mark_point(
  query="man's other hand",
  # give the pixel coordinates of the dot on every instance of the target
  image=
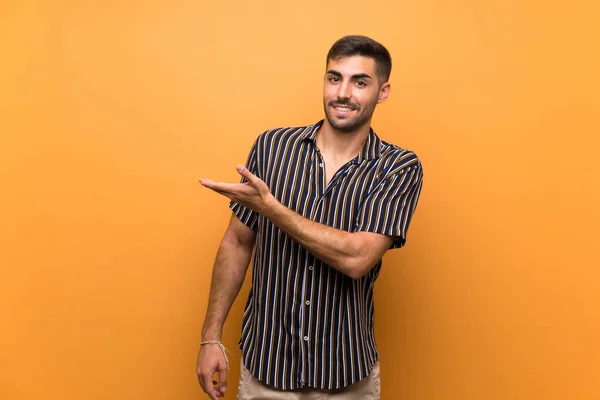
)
(210, 361)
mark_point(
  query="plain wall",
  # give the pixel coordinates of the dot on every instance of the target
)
(112, 110)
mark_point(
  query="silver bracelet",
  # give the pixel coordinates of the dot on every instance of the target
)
(222, 347)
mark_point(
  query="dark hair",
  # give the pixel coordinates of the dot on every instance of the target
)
(357, 45)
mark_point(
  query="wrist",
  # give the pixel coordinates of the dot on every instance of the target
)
(206, 339)
(270, 203)
(211, 335)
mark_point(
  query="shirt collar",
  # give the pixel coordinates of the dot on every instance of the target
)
(370, 151)
(311, 132)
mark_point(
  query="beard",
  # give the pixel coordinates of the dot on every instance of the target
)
(349, 124)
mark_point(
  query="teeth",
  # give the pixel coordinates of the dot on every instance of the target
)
(343, 108)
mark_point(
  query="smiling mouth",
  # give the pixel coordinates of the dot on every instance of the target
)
(343, 108)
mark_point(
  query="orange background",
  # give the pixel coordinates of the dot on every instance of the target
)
(112, 110)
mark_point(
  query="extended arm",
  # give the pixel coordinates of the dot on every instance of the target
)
(353, 254)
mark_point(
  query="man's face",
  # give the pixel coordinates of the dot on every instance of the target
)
(351, 91)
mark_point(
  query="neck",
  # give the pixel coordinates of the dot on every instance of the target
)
(344, 145)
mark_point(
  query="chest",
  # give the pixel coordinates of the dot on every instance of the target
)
(331, 165)
(321, 188)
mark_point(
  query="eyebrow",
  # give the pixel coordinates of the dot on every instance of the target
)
(356, 76)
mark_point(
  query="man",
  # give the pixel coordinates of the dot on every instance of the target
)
(318, 206)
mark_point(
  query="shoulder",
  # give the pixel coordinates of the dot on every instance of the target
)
(399, 160)
(291, 132)
(274, 140)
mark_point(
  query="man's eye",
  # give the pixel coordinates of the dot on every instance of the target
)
(361, 83)
(334, 79)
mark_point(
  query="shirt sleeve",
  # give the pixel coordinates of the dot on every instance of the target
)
(388, 209)
(244, 214)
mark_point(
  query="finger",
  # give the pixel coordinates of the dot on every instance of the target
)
(230, 196)
(217, 189)
(208, 387)
(220, 191)
(216, 185)
(201, 380)
(218, 391)
(209, 184)
(245, 172)
(223, 375)
(220, 186)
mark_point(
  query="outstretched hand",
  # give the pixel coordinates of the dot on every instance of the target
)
(254, 194)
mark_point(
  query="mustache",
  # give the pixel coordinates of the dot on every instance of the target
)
(353, 106)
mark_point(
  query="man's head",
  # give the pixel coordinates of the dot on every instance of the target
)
(358, 69)
(357, 45)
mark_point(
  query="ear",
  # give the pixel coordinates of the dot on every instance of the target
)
(384, 92)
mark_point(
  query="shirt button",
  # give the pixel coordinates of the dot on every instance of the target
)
(307, 302)
(321, 164)
(306, 338)
(310, 267)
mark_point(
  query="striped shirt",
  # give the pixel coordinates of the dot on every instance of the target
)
(306, 324)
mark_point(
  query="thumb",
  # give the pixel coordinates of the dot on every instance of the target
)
(245, 172)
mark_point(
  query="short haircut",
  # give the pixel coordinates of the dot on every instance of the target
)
(356, 45)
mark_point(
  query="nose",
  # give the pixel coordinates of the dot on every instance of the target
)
(344, 92)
